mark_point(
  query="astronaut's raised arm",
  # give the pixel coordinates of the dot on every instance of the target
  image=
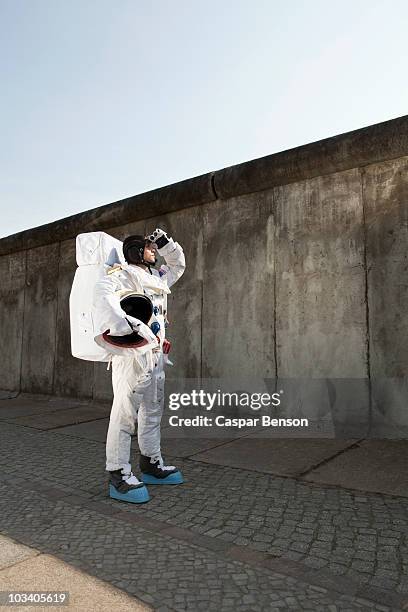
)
(175, 262)
(173, 254)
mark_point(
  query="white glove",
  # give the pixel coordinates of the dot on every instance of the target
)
(142, 329)
(159, 237)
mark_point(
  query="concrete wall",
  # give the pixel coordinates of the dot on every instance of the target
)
(296, 267)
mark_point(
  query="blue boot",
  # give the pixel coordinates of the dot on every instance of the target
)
(155, 472)
(126, 487)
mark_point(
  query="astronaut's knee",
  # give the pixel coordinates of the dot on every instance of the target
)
(126, 421)
(128, 427)
(154, 412)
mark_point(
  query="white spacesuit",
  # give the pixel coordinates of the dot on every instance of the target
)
(138, 380)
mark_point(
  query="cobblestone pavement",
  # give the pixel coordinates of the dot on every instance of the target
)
(225, 539)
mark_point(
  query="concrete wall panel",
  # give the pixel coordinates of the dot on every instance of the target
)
(40, 314)
(238, 292)
(386, 210)
(12, 275)
(320, 278)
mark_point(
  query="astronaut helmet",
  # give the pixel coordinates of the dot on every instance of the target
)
(140, 307)
(134, 250)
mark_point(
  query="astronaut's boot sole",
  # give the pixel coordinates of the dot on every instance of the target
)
(134, 496)
(172, 479)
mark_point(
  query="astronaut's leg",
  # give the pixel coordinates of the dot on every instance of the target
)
(128, 393)
(154, 471)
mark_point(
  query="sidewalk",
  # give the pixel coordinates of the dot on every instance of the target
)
(258, 525)
(26, 569)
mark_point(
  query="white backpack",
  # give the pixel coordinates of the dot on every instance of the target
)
(95, 252)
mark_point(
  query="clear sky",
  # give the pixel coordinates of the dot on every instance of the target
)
(103, 99)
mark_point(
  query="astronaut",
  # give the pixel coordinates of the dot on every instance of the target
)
(138, 380)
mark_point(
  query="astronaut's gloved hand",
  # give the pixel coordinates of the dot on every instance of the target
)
(159, 237)
(141, 328)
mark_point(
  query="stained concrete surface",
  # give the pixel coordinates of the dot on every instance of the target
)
(94, 430)
(26, 405)
(61, 418)
(320, 279)
(238, 288)
(379, 466)
(8, 394)
(13, 276)
(287, 457)
(40, 312)
(188, 447)
(385, 189)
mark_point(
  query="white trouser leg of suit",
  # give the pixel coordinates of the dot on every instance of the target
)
(138, 395)
(151, 412)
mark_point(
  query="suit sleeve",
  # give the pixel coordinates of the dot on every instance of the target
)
(175, 262)
(106, 307)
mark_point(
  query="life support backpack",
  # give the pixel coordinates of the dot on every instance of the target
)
(95, 252)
